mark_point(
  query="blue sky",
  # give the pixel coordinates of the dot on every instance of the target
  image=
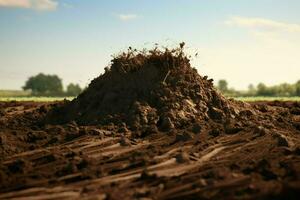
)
(243, 41)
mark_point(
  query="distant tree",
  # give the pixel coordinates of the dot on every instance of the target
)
(297, 88)
(73, 89)
(251, 87)
(251, 90)
(284, 89)
(41, 84)
(223, 86)
(263, 90)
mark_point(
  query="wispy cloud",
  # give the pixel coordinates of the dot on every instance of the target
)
(265, 47)
(262, 24)
(127, 17)
(41, 5)
(67, 5)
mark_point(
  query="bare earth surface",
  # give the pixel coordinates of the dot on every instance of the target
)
(150, 127)
(86, 162)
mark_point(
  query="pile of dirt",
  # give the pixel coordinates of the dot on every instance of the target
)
(147, 91)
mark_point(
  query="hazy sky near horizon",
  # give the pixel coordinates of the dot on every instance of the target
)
(242, 41)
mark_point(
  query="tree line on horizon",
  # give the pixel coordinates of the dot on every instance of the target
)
(280, 90)
(50, 85)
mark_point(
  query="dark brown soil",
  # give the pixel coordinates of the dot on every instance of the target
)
(150, 127)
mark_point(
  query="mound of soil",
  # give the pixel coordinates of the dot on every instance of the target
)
(155, 89)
